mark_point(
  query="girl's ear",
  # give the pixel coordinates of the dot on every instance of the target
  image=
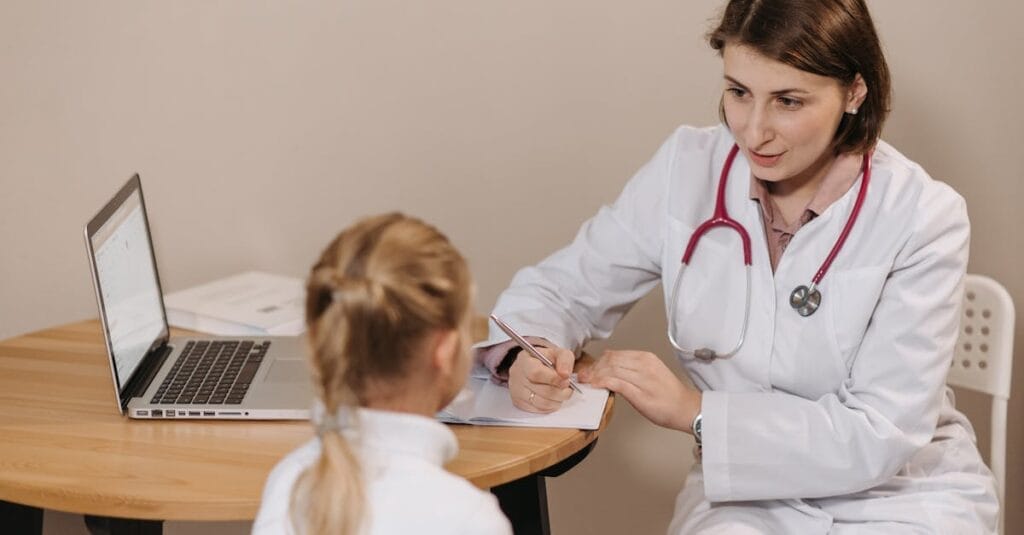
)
(444, 351)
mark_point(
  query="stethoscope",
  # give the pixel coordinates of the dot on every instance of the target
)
(805, 300)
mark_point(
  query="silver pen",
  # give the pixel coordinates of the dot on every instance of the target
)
(528, 347)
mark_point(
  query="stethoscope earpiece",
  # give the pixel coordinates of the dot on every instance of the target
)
(805, 300)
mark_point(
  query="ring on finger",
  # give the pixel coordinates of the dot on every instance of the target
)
(532, 395)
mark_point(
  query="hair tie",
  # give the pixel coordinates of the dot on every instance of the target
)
(348, 285)
(327, 425)
(325, 422)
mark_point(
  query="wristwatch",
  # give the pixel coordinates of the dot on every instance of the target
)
(697, 421)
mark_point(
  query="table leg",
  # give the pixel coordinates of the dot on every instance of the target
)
(19, 518)
(102, 525)
(525, 501)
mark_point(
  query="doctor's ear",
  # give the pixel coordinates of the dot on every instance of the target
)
(856, 94)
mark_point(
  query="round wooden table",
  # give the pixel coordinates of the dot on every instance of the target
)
(64, 445)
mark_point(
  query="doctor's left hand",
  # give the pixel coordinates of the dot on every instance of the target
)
(649, 385)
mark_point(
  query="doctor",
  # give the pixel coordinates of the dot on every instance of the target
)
(819, 401)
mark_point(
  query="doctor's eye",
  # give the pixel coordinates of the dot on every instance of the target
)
(790, 103)
(736, 92)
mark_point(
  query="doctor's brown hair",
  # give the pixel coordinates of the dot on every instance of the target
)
(376, 293)
(834, 38)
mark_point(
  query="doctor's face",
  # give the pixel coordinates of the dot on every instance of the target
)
(782, 118)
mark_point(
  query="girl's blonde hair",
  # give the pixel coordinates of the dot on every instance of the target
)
(377, 291)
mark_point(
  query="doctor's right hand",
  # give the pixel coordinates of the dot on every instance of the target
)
(536, 388)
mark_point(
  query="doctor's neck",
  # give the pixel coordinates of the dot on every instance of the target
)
(803, 185)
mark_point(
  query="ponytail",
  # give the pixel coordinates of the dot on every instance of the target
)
(329, 496)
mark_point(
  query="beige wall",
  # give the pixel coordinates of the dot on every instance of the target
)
(505, 123)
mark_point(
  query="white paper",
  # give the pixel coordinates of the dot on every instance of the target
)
(250, 303)
(482, 402)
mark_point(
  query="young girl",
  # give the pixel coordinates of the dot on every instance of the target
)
(387, 311)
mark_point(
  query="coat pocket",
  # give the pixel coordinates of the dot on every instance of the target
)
(855, 293)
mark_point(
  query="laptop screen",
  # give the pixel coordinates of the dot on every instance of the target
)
(126, 280)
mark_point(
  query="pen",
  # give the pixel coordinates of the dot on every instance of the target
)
(528, 347)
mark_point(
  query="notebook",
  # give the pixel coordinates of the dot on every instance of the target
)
(481, 402)
(156, 376)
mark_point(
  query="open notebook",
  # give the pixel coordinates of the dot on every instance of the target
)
(482, 402)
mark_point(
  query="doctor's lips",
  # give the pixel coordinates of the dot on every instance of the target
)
(765, 160)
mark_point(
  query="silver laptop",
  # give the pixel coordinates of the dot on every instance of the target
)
(156, 376)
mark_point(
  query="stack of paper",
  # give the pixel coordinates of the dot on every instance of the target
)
(482, 402)
(248, 304)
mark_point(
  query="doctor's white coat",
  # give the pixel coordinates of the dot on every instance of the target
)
(822, 424)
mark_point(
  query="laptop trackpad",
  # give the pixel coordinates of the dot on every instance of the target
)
(287, 371)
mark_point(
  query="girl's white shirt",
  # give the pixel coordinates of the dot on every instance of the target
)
(407, 488)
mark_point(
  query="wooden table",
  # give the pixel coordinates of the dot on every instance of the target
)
(64, 446)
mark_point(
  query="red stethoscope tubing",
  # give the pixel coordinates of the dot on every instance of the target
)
(865, 169)
(804, 300)
(721, 218)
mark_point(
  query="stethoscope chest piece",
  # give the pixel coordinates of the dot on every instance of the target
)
(805, 300)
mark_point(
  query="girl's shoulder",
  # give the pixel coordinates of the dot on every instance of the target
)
(409, 495)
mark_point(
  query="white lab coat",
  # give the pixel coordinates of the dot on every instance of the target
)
(834, 422)
(407, 488)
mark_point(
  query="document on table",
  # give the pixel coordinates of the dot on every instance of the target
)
(247, 304)
(482, 402)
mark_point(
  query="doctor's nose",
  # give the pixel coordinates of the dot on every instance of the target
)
(759, 128)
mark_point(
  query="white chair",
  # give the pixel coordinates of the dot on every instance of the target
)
(983, 360)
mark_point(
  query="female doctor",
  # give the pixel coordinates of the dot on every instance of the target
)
(819, 348)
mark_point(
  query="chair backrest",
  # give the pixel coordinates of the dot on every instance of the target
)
(983, 360)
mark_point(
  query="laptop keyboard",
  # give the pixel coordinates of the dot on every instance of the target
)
(212, 373)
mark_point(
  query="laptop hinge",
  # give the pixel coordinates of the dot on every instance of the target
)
(141, 379)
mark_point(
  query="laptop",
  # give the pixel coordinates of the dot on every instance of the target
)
(199, 377)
